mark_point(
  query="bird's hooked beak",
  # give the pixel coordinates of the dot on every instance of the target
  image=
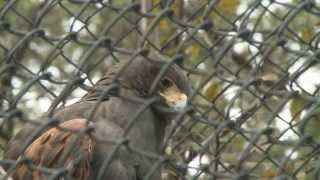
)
(174, 98)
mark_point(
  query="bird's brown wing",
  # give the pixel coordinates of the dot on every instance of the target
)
(58, 148)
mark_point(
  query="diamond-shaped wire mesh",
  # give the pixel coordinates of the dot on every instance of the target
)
(253, 66)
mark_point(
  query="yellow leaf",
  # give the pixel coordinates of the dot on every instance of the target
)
(269, 173)
(273, 172)
(296, 106)
(164, 24)
(228, 7)
(170, 174)
(193, 51)
(307, 34)
(212, 89)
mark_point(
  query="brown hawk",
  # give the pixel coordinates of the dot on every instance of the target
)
(108, 136)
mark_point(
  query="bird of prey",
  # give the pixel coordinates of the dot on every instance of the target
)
(114, 136)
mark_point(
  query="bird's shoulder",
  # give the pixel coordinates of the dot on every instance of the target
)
(67, 145)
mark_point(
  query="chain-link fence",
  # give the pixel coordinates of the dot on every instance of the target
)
(253, 66)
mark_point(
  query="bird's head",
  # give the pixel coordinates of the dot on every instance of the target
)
(160, 78)
(146, 77)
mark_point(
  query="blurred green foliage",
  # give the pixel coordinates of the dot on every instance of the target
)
(256, 72)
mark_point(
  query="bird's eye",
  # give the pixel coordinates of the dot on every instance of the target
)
(165, 83)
